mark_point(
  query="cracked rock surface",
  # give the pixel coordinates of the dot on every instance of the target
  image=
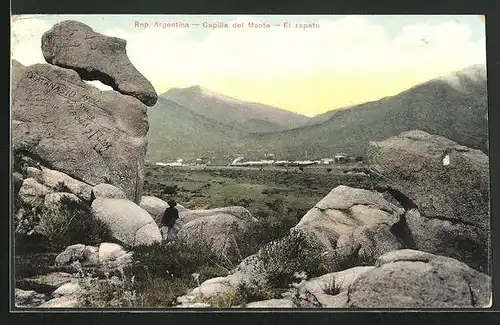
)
(72, 127)
(415, 279)
(447, 184)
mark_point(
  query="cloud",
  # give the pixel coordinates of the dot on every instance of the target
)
(294, 63)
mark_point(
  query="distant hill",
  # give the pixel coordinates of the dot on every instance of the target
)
(247, 116)
(454, 106)
(176, 131)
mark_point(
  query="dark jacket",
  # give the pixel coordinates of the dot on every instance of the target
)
(169, 216)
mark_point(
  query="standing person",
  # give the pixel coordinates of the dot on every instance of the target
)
(169, 217)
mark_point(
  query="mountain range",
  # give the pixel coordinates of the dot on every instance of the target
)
(194, 122)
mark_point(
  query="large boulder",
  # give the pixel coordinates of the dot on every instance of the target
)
(153, 205)
(74, 45)
(127, 221)
(220, 229)
(353, 223)
(447, 184)
(70, 126)
(107, 191)
(78, 252)
(415, 279)
(156, 207)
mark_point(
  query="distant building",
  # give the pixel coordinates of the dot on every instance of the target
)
(327, 161)
(341, 158)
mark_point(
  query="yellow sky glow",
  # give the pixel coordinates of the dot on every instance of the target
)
(345, 62)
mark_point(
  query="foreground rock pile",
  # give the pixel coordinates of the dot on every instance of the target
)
(420, 241)
(72, 271)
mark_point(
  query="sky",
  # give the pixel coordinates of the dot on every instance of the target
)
(345, 60)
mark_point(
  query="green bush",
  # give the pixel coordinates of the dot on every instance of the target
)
(162, 292)
(297, 252)
(170, 190)
(272, 226)
(175, 259)
(70, 223)
(163, 271)
(257, 292)
(227, 299)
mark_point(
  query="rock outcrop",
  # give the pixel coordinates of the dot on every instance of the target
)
(72, 127)
(330, 290)
(78, 252)
(108, 256)
(444, 187)
(56, 180)
(28, 298)
(353, 223)
(414, 279)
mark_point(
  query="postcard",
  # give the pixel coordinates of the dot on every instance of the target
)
(249, 162)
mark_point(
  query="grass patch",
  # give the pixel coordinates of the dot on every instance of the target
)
(162, 292)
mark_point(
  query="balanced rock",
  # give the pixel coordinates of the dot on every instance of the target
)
(415, 279)
(74, 45)
(90, 135)
(449, 186)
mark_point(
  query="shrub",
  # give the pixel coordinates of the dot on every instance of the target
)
(116, 292)
(170, 190)
(162, 292)
(227, 299)
(332, 287)
(60, 227)
(272, 226)
(255, 291)
(61, 187)
(209, 272)
(174, 258)
(294, 253)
